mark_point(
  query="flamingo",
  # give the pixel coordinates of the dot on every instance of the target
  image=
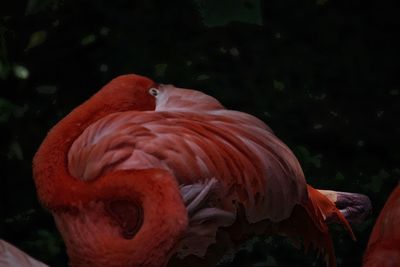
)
(10, 256)
(145, 174)
(383, 248)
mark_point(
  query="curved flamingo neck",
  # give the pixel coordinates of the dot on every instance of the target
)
(164, 222)
(55, 186)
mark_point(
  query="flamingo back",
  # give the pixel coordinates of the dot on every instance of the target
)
(195, 138)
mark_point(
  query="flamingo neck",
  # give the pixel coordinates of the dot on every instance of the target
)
(55, 186)
(99, 242)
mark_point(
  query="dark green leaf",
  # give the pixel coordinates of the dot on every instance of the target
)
(278, 85)
(339, 176)
(21, 72)
(36, 39)
(46, 89)
(222, 12)
(15, 151)
(88, 39)
(203, 77)
(36, 6)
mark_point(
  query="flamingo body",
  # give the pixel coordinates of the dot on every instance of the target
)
(384, 243)
(142, 171)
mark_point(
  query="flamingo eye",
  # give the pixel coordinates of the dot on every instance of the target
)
(154, 91)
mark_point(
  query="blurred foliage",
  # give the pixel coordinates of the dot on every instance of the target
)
(222, 12)
(323, 74)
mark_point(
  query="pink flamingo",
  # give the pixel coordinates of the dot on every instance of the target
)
(384, 243)
(142, 172)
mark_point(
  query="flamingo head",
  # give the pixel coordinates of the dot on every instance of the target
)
(126, 92)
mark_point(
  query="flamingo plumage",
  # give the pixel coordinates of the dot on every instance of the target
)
(142, 172)
(11, 256)
(383, 248)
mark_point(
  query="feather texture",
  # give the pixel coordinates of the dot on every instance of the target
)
(195, 138)
(12, 256)
(384, 243)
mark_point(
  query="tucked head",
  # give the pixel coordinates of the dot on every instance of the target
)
(127, 92)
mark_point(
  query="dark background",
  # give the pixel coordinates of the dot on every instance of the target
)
(322, 74)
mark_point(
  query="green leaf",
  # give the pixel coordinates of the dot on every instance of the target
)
(278, 85)
(317, 126)
(7, 109)
(250, 244)
(36, 6)
(223, 12)
(339, 176)
(45, 241)
(306, 158)
(46, 89)
(22, 217)
(234, 51)
(15, 151)
(203, 77)
(21, 72)
(376, 181)
(270, 261)
(36, 39)
(104, 31)
(88, 39)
